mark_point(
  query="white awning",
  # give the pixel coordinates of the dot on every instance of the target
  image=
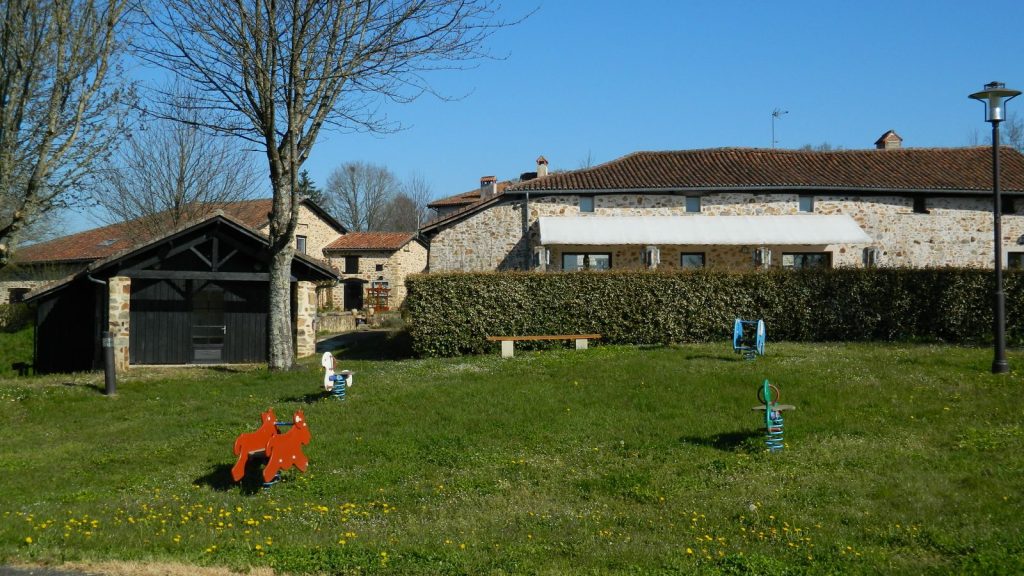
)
(802, 229)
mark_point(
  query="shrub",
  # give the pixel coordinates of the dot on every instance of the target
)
(452, 313)
(14, 317)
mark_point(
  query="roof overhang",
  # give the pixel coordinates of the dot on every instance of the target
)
(793, 230)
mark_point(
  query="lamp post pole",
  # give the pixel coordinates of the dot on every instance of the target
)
(994, 96)
(999, 364)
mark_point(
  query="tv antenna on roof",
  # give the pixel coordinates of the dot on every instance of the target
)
(777, 113)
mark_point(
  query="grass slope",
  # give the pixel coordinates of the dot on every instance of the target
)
(899, 459)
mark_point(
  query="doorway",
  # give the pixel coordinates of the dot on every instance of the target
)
(353, 294)
(208, 327)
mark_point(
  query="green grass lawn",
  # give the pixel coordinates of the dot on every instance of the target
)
(899, 459)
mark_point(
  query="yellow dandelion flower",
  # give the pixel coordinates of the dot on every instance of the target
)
(28, 539)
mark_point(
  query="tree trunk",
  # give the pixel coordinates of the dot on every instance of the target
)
(282, 352)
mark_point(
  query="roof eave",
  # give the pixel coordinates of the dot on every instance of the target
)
(764, 188)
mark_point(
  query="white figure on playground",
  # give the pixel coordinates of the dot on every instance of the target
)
(330, 378)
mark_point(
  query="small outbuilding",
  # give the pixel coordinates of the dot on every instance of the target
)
(198, 295)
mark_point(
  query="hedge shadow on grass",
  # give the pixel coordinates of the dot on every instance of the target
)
(738, 441)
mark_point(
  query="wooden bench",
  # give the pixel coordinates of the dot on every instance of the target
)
(508, 342)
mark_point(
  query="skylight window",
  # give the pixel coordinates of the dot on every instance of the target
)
(108, 242)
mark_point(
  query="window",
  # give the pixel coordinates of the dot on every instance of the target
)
(871, 255)
(587, 261)
(300, 244)
(351, 264)
(379, 268)
(806, 259)
(15, 295)
(586, 203)
(691, 260)
(807, 203)
(920, 205)
(693, 203)
(1014, 261)
(1008, 205)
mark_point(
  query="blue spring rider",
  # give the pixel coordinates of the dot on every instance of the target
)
(748, 337)
(768, 395)
(335, 384)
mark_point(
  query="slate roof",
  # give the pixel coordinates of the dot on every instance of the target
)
(385, 241)
(904, 169)
(109, 240)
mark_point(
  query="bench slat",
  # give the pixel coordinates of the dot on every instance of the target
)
(553, 337)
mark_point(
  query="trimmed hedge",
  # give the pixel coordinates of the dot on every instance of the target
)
(452, 313)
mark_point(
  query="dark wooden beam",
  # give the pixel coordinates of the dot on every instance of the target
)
(197, 275)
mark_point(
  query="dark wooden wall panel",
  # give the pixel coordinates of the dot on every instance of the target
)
(160, 322)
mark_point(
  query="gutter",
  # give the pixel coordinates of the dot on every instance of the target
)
(770, 188)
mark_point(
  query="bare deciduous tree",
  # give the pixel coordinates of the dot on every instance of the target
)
(408, 209)
(171, 174)
(275, 72)
(359, 194)
(60, 104)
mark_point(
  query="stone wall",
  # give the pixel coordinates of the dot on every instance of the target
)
(394, 268)
(335, 322)
(305, 319)
(119, 305)
(488, 240)
(955, 232)
(32, 276)
(317, 232)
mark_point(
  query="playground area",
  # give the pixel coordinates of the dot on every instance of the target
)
(897, 459)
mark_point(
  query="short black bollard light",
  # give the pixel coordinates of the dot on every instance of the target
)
(109, 375)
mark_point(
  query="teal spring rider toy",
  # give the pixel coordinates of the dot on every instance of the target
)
(768, 395)
(748, 337)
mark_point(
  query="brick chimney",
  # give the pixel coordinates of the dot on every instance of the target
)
(488, 187)
(542, 167)
(889, 141)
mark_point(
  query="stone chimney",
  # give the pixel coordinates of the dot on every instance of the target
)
(488, 187)
(889, 141)
(542, 167)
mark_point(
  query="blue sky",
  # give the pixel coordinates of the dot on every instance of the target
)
(600, 79)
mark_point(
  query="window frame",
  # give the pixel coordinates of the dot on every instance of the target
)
(805, 203)
(591, 202)
(608, 255)
(300, 243)
(827, 256)
(703, 260)
(690, 201)
(1016, 262)
(352, 264)
(17, 295)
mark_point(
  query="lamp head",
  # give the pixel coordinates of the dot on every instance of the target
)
(995, 96)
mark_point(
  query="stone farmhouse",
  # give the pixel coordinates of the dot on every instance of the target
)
(737, 209)
(373, 267)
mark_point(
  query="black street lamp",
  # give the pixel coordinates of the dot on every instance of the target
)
(995, 96)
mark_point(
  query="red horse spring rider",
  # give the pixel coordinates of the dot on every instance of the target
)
(282, 450)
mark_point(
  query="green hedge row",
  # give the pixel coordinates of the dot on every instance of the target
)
(451, 314)
(14, 317)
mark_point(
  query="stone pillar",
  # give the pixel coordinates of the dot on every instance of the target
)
(119, 309)
(305, 319)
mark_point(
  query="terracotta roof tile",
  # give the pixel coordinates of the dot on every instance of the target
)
(109, 240)
(911, 169)
(466, 198)
(371, 241)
